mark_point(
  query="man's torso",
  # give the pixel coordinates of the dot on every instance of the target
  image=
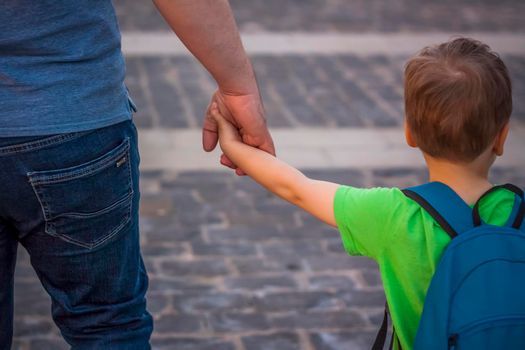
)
(61, 67)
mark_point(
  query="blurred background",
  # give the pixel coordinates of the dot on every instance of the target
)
(231, 266)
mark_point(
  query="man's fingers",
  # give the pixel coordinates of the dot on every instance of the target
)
(268, 145)
(263, 141)
(215, 113)
(227, 162)
(209, 140)
(210, 129)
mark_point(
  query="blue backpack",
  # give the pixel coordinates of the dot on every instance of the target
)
(476, 299)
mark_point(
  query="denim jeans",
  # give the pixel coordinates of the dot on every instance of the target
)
(71, 200)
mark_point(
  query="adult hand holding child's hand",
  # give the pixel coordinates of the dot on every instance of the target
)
(246, 113)
(227, 131)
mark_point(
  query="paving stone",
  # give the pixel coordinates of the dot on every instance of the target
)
(399, 177)
(157, 250)
(283, 212)
(24, 270)
(341, 15)
(180, 323)
(260, 283)
(362, 298)
(224, 248)
(317, 226)
(199, 177)
(228, 261)
(30, 326)
(169, 343)
(48, 344)
(276, 264)
(242, 223)
(237, 322)
(157, 303)
(343, 340)
(335, 246)
(515, 175)
(297, 247)
(244, 233)
(208, 268)
(243, 281)
(343, 320)
(349, 91)
(173, 231)
(163, 285)
(351, 177)
(273, 341)
(193, 302)
(371, 277)
(297, 300)
(331, 282)
(155, 205)
(19, 345)
(31, 298)
(376, 317)
(338, 262)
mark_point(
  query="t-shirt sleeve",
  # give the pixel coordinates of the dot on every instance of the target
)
(366, 218)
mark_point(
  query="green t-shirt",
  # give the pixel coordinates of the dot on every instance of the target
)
(406, 242)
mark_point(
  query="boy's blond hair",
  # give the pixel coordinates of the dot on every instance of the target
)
(458, 96)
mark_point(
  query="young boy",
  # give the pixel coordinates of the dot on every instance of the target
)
(458, 104)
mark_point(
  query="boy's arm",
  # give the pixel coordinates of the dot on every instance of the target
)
(316, 197)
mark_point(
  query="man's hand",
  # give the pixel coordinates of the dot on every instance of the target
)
(247, 114)
(209, 31)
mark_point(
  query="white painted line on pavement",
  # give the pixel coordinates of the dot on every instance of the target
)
(162, 43)
(306, 148)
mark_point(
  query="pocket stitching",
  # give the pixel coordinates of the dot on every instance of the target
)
(39, 144)
(43, 206)
(93, 244)
(39, 177)
(47, 218)
(115, 205)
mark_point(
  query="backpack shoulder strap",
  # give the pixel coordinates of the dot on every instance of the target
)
(444, 205)
(516, 218)
(380, 341)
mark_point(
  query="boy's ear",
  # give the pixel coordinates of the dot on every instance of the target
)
(408, 137)
(499, 142)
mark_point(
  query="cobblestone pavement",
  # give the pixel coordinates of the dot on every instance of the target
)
(233, 267)
(313, 91)
(355, 15)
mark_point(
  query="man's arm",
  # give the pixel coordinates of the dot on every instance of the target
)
(208, 29)
(315, 197)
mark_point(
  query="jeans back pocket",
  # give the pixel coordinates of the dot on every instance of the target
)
(89, 203)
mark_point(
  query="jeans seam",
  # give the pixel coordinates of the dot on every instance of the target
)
(101, 165)
(97, 242)
(97, 213)
(42, 143)
(42, 205)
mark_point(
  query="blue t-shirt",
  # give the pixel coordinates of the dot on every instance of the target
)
(61, 67)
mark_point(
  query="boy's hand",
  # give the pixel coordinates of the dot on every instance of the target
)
(246, 113)
(228, 134)
(227, 131)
